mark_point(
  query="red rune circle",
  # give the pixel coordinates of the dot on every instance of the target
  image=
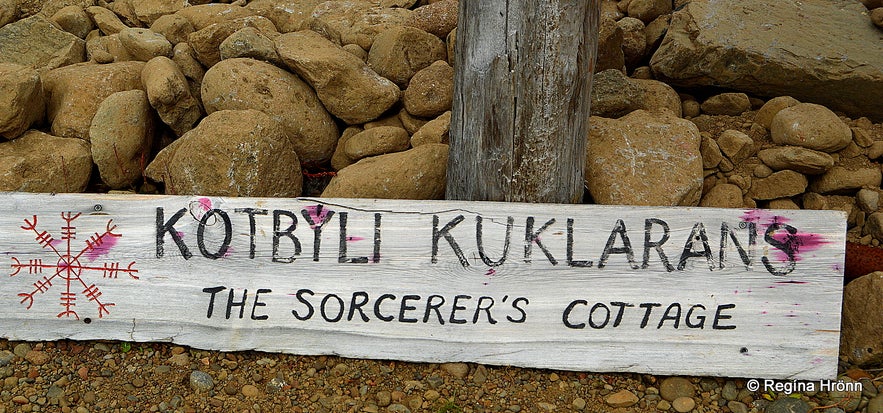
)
(68, 267)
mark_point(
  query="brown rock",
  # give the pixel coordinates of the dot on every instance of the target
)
(431, 91)
(655, 31)
(805, 161)
(184, 56)
(711, 153)
(37, 162)
(21, 99)
(434, 131)
(74, 20)
(339, 160)
(683, 404)
(648, 10)
(206, 42)
(355, 21)
(107, 21)
(239, 84)
(657, 96)
(205, 15)
(125, 10)
(673, 387)
(144, 44)
(231, 153)
(169, 94)
(768, 111)
(347, 87)
(610, 11)
(250, 42)
(36, 43)
(438, 18)
(417, 173)
(723, 196)
(174, 27)
(841, 180)
(458, 370)
(735, 145)
(777, 48)
(9, 11)
(615, 95)
(37, 358)
(610, 54)
(287, 15)
(877, 17)
(376, 141)
(810, 126)
(76, 91)
(148, 11)
(413, 123)
(634, 40)
(861, 335)
(733, 104)
(622, 398)
(400, 52)
(122, 136)
(108, 49)
(780, 184)
(644, 159)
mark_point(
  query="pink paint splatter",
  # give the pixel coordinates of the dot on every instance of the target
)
(318, 215)
(180, 234)
(228, 252)
(102, 249)
(491, 271)
(205, 203)
(803, 242)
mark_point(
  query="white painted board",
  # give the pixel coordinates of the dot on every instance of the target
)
(573, 287)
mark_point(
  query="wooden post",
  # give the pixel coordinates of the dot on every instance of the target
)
(521, 100)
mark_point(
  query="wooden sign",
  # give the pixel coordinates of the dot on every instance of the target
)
(747, 293)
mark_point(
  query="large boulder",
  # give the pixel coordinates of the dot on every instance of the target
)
(862, 337)
(287, 15)
(76, 91)
(810, 126)
(347, 87)
(400, 52)
(38, 162)
(773, 48)
(644, 159)
(231, 153)
(169, 94)
(35, 42)
(21, 99)
(355, 21)
(418, 173)
(206, 42)
(121, 135)
(236, 84)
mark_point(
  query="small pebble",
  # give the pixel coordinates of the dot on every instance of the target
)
(201, 381)
(250, 391)
(683, 404)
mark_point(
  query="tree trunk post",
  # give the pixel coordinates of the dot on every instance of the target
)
(521, 100)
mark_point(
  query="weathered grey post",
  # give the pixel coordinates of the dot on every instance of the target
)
(521, 99)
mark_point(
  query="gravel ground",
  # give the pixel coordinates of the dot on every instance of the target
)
(134, 377)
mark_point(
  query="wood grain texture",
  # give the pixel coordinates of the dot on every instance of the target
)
(575, 287)
(521, 100)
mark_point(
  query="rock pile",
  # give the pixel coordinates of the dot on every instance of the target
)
(239, 98)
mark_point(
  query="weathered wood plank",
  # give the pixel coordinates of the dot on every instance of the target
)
(574, 287)
(521, 100)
